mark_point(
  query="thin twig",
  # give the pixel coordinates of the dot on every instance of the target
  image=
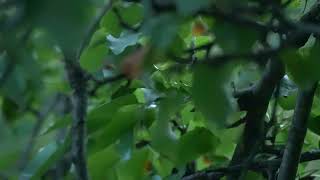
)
(199, 48)
(99, 83)
(273, 119)
(251, 56)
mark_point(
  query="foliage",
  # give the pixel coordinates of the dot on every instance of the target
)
(171, 87)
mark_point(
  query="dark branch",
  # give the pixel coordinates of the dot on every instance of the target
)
(255, 166)
(297, 134)
(199, 48)
(256, 99)
(256, 104)
(99, 83)
(78, 82)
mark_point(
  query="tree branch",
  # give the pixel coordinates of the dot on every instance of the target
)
(256, 104)
(78, 82)
(297, 134)
(255, 100)
(99, 83)
(255, 166)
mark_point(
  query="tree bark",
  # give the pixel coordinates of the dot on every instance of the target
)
(256, 104)
(78, 82)
(297, 133)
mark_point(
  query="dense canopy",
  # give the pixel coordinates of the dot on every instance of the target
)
(159, 89)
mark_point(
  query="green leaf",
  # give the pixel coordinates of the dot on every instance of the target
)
(288, 102)
(163, 166)
(68, 26)
(162, 30)
(100, 162)
(15, 86)
(102, 114)
(145, 95)
(92, 58)
(99, 37)
(312, 167)
(131, 13)
(314, 124)
(118, 45)
(134, 168)
(303, 70)
(233, 38)
(111, 24)
(210, 94)
(10, 145)
(195, 143)
(163, 139)
(44, 159)
(200, 41)
(122, 122)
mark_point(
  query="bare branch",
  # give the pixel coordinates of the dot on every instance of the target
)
(255, 166)
(297, 134)
(256, 105)
(78, 83)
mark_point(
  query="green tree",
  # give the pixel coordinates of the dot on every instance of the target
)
(159, 89)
